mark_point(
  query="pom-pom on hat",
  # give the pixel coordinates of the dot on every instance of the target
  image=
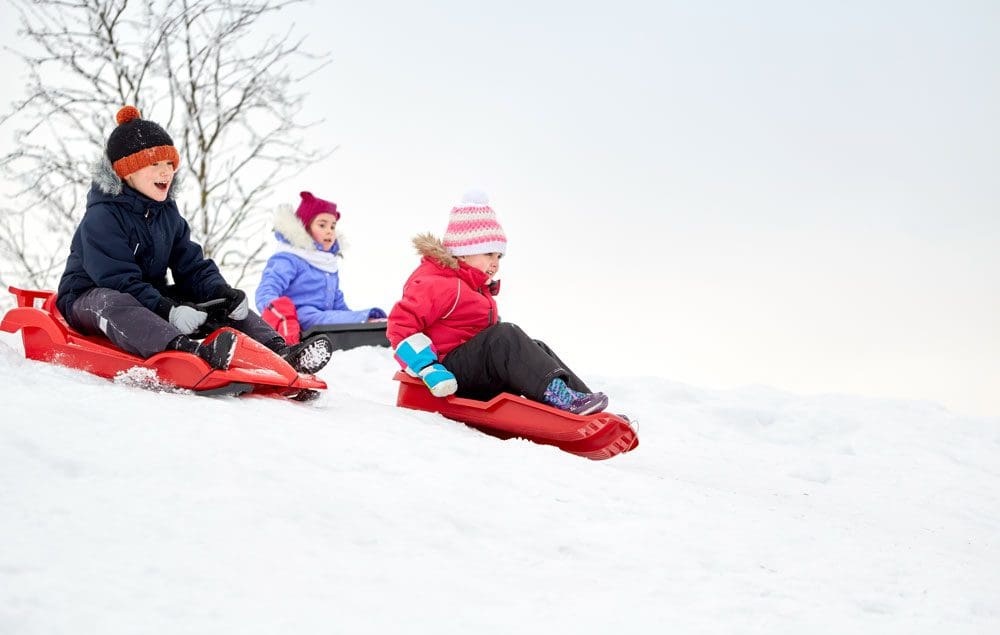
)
(311, 207)
(136, 143)
(473, 227)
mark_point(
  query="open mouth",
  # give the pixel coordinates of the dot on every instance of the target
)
(162, 186)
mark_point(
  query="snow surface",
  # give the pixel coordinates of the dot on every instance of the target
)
(126, 510)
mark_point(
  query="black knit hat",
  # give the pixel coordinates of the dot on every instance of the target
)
(136, 143)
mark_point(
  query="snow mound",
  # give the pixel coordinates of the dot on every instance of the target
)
(751, 511)
(146, 379)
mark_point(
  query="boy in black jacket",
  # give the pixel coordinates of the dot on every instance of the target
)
(115, 282)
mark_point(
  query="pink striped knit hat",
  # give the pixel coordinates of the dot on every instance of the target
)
(473, 228)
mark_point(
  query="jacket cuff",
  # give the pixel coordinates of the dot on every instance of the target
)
(163, 307)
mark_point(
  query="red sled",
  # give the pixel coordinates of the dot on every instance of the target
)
(596, 436)
(255, 368)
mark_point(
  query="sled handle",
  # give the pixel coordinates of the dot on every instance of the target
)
(27, 297)
(209, 304)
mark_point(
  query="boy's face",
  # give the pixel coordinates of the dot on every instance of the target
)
(153, 180)
(487, 263)
(323, 230)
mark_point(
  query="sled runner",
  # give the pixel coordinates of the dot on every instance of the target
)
(348, 336)
(282, 316)
(597, 436)
(255, 369)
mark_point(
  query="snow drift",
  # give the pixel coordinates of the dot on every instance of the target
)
(125, 509)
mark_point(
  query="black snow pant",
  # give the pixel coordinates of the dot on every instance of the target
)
(135, 329)
(502, 358)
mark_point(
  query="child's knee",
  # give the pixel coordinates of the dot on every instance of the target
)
(120, 298)
(506, 329)
(103, 297)
(508, 338)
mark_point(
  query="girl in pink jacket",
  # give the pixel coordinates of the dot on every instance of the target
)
(446, 329)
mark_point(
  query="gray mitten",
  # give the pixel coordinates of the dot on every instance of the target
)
(187, 319)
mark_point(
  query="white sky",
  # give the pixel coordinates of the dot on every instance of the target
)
(792, 194)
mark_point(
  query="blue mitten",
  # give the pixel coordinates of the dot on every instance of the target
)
(416, 354)
(439, 380)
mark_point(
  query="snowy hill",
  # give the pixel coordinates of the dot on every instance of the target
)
(124, 510)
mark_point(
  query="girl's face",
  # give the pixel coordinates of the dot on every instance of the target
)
(323, 230)
(153, 180)
(487, 263)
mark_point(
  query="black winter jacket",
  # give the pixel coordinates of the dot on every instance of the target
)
(126, 242)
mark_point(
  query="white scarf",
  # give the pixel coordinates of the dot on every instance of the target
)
(322, 260)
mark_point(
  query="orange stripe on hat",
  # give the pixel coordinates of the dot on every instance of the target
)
(137, 161)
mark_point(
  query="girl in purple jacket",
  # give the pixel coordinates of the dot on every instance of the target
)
(304, 267)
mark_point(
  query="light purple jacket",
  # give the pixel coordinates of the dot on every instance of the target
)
(305, 273)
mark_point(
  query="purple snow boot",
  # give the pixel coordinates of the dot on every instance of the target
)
(558, 394)
(588, 404)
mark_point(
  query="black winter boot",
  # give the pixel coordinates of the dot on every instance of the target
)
(310, 356)
(218, 353)
(277, 344)
(184, 344)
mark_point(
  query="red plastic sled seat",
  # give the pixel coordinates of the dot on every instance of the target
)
(597, 436)
(254, 369)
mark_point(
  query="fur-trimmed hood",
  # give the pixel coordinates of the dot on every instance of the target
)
(108, 181)
(445, 299)
(288, 229)
(431, 246)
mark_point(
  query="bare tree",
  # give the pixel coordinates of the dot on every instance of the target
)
(229, 96)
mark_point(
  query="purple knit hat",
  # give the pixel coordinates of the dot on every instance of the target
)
(473, 227)
(311, 207)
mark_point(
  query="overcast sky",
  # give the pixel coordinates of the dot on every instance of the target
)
(802, 195)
